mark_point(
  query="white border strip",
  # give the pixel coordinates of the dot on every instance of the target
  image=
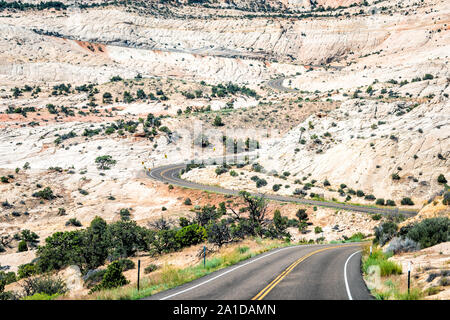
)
(345, 275)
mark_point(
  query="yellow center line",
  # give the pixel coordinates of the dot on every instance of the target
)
(278, 279)
(164, 171)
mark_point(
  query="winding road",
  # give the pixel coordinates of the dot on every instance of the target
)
(302, 272)
(171, 174)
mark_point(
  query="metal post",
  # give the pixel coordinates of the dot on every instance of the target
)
(409, 276)
(139, 271)
(204, 256)
(370, 251)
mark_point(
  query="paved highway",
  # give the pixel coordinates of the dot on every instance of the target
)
(170, 174)
(305, 272)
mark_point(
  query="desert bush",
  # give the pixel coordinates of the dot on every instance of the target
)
(430, 232)
(46, 194)
(27, 270)
(397, 245)
(190, 235)
(164, 241)
(280, 223)
(187, 202)
(93, 278)
(124, 214)
(206, 214)
(218, 233)
(377, 216)
(301, 215)
(126, 264)
(276, 187)
(441, 179)
(380, 202)
(390, 203)
(61, 249)
(150, 268)
(407, 201)
(112, 278)
(218, 121)
(44, 285)
(385, 232)
(446, 198)
(126, 238)
(105, 162)
(73, 222)
(6, 278)
(22, 246)
(261, 182)
(220, 170)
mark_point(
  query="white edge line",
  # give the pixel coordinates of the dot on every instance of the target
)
(345, 275)
(228, 271)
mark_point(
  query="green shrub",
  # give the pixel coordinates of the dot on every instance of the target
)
(105, 162)
(357, 237)
(369, 197)
(187, 202)
(26, 270)
(301, 215)
(73, 222)
(150, 268)
(385, 232)
(390, 203)
(430, 232)
(376, 216)
(126, 264)
(112, 278)
(190, 235)
(7, 277)
(22, 246)
(260, 183)
(44, 285)
(407, 201)
(94, 278)
(441, 179)
(218, 233)
(46, 194)
(446, 198)
(124, 214)
(380, 202)
(61, 249)
(218, 121)
(164, 242)
(318, 229)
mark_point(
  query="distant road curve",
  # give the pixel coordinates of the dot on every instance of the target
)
(170, 174)
(277, 83)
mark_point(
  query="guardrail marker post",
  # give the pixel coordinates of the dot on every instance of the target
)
(204, 256)
(139, 271)
(370, 251)
(409, 276)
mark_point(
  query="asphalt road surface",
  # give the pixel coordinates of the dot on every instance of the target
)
(170, 174)
(305, 272)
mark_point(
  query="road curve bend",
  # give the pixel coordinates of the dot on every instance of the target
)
(171, 174)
